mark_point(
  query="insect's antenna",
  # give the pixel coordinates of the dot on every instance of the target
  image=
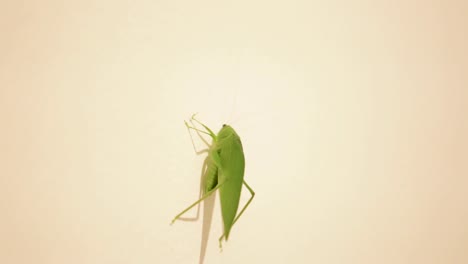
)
(236, 87)
(233, 106)
(233, 122)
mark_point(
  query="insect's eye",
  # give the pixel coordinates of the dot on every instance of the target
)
(224, 125)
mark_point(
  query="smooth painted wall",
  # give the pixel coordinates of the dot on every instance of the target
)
(353, 116)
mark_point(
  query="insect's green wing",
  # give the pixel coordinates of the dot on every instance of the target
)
(231, 173)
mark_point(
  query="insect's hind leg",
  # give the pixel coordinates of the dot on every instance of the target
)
(197, 202)
(241, 212)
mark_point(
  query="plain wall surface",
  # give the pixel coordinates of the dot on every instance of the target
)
(353, 116)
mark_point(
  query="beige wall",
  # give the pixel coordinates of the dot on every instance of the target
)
(353, 116)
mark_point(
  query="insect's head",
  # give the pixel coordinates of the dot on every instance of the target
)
(225, 131)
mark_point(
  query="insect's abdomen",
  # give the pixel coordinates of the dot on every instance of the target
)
(211, 177)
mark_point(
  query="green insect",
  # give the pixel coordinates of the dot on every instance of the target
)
(225, 171)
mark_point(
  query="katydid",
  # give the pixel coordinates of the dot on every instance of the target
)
(225, 173)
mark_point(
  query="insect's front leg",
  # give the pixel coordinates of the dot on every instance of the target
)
(213, 135)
